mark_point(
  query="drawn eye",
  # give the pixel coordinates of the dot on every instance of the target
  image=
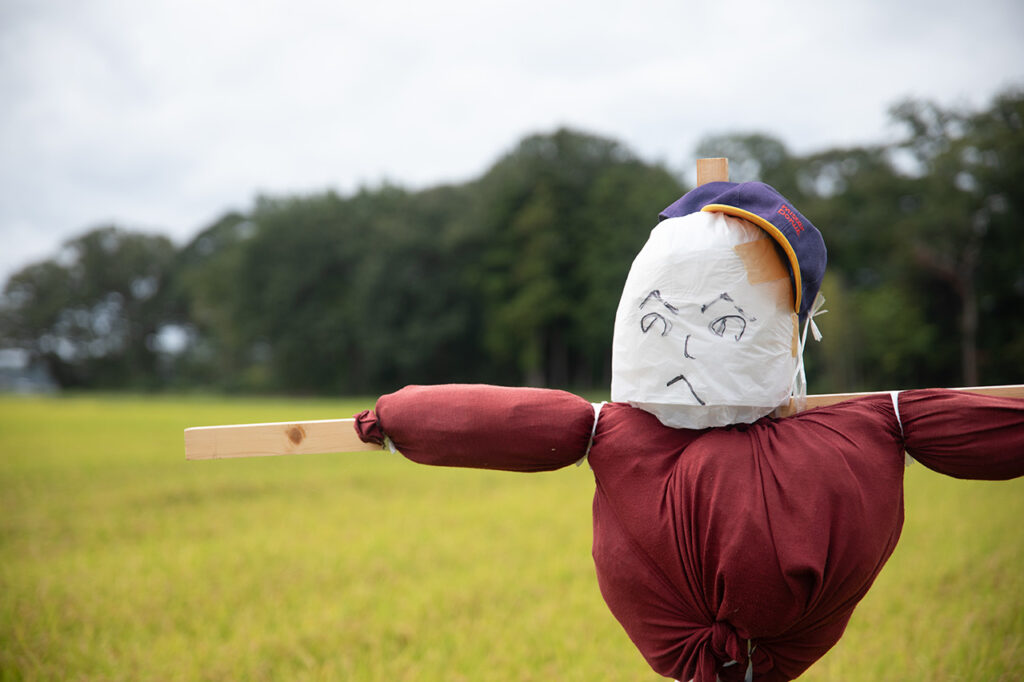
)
(733, 324)
(650, 319)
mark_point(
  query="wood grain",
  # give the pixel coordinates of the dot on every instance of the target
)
(712, 170)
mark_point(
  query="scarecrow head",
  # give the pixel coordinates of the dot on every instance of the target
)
(707, 329)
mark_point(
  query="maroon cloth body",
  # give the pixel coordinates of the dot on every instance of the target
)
(769, 532)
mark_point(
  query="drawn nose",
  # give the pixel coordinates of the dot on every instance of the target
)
(686, 348)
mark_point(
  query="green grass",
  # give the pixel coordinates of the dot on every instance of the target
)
(119, 560)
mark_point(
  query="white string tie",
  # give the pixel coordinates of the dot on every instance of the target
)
(597, 413)
(749, 676)
(896, 408)
(907, 459)
(799, 386)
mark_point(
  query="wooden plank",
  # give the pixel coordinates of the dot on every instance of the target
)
(275, 438)
(712, 170)
(821, 400)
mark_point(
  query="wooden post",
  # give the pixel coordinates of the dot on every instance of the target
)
(712, 170)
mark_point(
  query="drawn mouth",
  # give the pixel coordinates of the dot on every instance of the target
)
(683, 378)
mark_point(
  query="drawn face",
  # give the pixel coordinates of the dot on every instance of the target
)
(705, 324)
(728, 322)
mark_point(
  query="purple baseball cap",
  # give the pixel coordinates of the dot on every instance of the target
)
(797, 238)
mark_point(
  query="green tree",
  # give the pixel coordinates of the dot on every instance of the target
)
(879, 334)
(93, 313)
(964, 234)
(203, 293)
(327, 293)
(565, 214)
(416, 312)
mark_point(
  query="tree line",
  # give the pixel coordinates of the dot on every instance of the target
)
(514, 277)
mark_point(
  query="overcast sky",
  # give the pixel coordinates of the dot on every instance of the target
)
(161, 115)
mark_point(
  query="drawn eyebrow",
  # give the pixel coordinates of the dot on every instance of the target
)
(744, 313)
(724, 296)
(683, 378)
(656, 293)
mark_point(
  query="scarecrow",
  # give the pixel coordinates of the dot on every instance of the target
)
(729, 543)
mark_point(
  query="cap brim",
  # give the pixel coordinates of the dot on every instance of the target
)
(775, 234)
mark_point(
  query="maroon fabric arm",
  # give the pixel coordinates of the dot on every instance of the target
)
(964, 435)
(481, 426)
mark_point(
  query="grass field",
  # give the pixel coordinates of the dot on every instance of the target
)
(119, 560)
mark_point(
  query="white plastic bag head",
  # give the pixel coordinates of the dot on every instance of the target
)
(705, 333)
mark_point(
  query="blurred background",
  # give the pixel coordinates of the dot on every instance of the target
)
(325, 200)
(335, 198)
